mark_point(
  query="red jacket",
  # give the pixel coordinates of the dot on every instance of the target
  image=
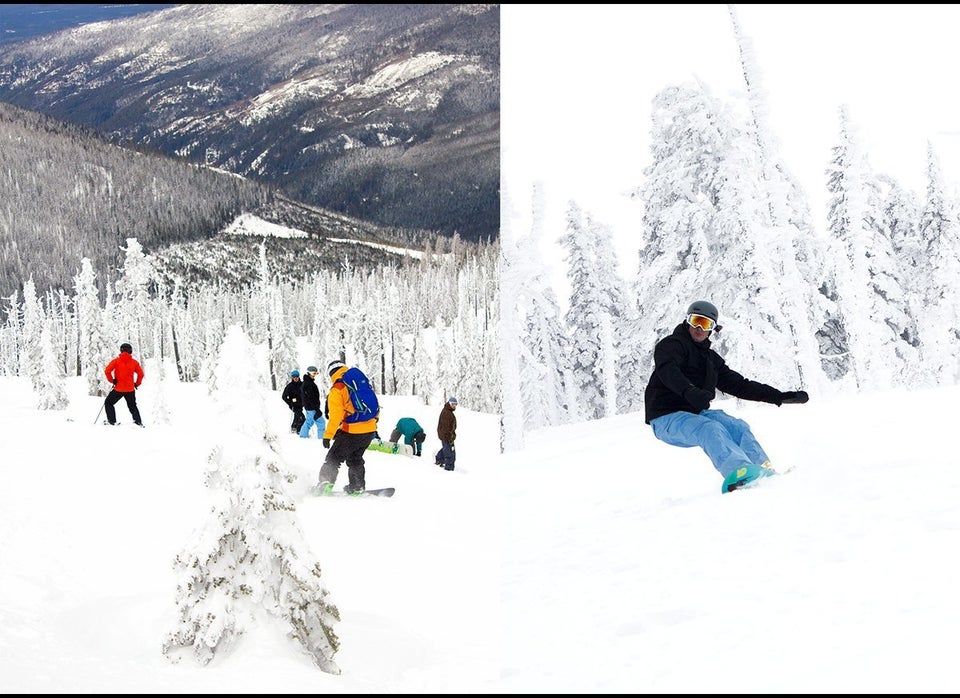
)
(125, 373)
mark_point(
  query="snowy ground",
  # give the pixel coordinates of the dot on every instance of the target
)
(595, 560)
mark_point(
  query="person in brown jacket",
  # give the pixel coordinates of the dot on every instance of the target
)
(447, 431)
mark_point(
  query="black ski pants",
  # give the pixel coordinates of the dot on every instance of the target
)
(298, 419)
(348, 448)
(113, 398)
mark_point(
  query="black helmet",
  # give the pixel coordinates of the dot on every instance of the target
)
(704, 308)
(126, 347)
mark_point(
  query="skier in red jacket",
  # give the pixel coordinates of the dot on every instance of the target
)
(126, 374)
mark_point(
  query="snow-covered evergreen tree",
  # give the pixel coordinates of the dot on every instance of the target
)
(272, 325)
(133, 290)
(31, 363)
(183, 334)
(403, 328)
(939, 320)
(544, 364)
(425, 379)
(445, 369)
(389, 336)
(164, 373)
(63, 331)
(161, 372)
(705, 236)
(872, 298)
(49, 382)
(535, 364)
(623, 372)
(257, 321)
(210, 343)
(250, 557)
(13, 335)
(901, 212)
(37, 359)
(329, 335)
(89, 326)
(32, 326)
(619, 363)
(787, 237)
(586, 315)
(477, 356)
(688, 141)
(283, 348)
(901, 217)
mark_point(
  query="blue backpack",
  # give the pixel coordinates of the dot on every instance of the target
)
(365, 403)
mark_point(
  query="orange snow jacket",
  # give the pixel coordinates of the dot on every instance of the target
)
(339, 406)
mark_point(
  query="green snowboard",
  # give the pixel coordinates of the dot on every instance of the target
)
(390, 447)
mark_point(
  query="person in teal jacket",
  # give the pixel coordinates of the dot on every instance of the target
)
(413, 434)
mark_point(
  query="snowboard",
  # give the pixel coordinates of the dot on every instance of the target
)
(748, 476)
(390, 447)
(382, 492)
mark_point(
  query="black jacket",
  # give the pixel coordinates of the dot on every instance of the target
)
(311, 393)
(679, 362)
(293, 395)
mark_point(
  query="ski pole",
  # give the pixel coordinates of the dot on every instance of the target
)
(98, 414)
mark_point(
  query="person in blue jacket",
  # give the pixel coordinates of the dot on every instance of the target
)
(686, 375)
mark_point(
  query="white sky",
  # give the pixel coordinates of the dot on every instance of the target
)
(596, 559)
(578, 81)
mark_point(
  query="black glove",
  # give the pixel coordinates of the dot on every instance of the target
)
(326, 443)
(698, 397)
(797, 397)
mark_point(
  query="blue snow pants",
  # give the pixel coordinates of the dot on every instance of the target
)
(313, 417)
(726, 440)
(447, 455)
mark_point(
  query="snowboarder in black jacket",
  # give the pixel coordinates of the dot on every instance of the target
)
(311, 405)
(686, 375)
(293, 396)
